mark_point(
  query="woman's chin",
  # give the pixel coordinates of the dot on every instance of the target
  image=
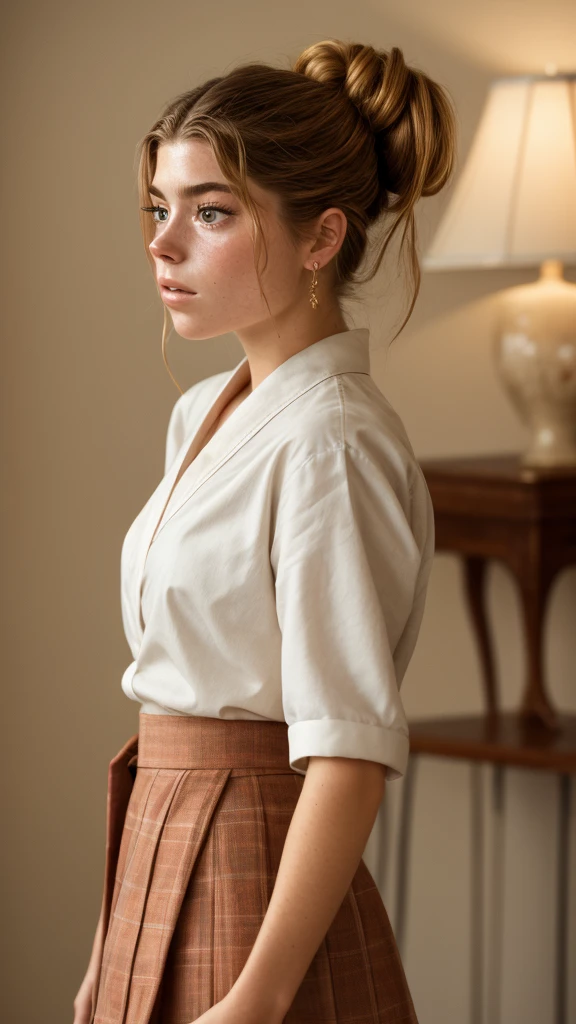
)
(191, 329)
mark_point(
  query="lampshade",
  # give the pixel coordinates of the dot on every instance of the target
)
(514, 203)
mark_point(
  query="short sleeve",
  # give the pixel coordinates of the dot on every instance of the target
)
(347, 570)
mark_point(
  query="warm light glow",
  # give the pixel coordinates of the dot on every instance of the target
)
(514, 203)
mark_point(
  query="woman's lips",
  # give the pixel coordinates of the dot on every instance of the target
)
(175, 298)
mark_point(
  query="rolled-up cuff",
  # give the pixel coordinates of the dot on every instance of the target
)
(330, 737)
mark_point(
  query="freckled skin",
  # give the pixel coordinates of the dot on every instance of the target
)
(211, 253)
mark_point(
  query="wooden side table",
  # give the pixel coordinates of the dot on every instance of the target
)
(492, 507)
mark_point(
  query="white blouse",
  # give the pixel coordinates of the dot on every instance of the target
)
(282, 574)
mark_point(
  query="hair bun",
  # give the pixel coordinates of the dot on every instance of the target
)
(376, 82)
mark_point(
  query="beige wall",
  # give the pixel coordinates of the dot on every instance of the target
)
(86, 401)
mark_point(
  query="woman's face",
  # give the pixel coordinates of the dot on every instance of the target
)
(202, 243)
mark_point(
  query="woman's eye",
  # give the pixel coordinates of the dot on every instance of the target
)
(155, 210)
(211, 210)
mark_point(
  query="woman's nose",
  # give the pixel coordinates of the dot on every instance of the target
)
(166, 245)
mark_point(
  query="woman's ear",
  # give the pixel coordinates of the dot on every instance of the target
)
(330, 234)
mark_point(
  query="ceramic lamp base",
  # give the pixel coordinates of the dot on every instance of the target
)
(535, 353)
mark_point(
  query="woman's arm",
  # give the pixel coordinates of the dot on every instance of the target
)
(327, 836)
(96, 945)
(83, 999)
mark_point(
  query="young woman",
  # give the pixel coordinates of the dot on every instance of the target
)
(273, 585)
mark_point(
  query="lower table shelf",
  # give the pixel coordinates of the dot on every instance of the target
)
(502, 739)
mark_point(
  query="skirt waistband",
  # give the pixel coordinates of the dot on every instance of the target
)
(194, 741)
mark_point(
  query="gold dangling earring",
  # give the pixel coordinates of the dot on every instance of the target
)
(313, 296)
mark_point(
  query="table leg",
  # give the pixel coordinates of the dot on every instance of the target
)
(475, 587)
(535, 581)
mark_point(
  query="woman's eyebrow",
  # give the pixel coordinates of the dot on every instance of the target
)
(187, 191)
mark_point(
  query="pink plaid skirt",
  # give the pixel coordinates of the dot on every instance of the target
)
(197, 815)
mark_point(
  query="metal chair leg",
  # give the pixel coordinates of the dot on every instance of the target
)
(560, 1013)
(404, 832)
(477, 894)
(494, 999)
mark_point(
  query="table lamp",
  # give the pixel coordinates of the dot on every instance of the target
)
(514, 205)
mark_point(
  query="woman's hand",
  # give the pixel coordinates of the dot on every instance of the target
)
(83, 1001)
(235, 1009)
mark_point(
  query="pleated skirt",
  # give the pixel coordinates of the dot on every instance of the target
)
(197, 814)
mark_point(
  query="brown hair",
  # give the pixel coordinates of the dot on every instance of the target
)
(347, 126)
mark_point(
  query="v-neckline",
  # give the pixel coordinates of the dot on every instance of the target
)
(219, 422)
(199, 440)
